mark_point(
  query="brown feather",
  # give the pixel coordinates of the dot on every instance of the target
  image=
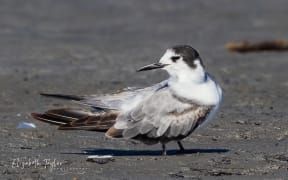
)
(72, 119)
(44, 118)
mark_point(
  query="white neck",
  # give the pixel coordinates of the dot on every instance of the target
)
(198, 87)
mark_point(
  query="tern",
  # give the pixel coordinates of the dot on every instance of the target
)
(167, 111)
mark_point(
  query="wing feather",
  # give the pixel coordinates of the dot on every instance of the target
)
(69, 119)
(161, 115)
(127, 98)
(122, 100)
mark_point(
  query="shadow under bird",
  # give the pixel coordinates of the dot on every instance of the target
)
(168, 111)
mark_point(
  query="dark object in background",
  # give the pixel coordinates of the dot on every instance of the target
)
(245, 46)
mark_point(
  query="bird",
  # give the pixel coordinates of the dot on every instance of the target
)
(166, 111)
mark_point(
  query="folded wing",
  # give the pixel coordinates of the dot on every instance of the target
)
(105, 109)
(162, 115)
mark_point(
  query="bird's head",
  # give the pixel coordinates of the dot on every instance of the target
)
(182, 62)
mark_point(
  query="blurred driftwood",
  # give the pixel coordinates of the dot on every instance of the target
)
(246, 46)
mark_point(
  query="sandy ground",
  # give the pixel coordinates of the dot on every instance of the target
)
(88, 47)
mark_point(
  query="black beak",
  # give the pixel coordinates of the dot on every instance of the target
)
(152, 66)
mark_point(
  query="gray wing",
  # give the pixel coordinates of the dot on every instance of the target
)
(122, 100)
(162, 114)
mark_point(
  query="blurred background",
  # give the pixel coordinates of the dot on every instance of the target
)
(90, 47)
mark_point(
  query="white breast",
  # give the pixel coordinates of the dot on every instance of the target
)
(206, 93)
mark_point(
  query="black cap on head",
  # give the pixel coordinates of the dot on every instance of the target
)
(188, 53)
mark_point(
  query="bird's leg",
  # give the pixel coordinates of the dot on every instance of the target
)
(180, 146)
(164, 152)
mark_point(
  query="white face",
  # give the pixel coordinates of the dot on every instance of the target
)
(176, 64)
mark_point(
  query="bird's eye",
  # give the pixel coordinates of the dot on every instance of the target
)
(175, 58)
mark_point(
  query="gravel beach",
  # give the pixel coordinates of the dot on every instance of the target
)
(90, 47)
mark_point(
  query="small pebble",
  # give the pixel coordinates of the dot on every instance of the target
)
(100, 159)
(240, 122)
(26, 125)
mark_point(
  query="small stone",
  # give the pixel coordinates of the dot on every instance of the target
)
(240, 122)
(271, 107)
(257, 123)
(100, 159)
